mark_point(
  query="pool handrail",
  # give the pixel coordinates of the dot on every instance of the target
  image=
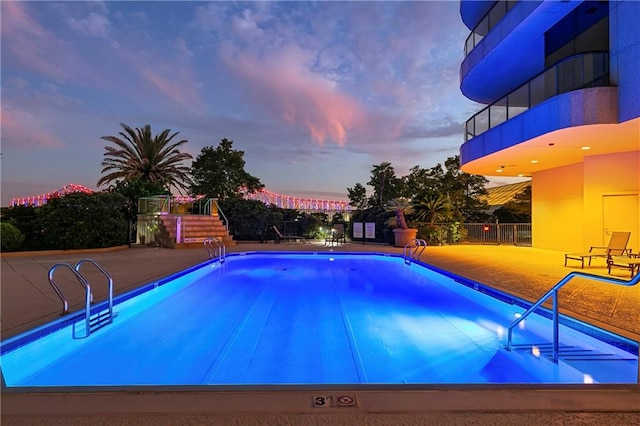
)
(109, 283)
(410, 250)
(220, 250)
(65, 303)
(553, 292)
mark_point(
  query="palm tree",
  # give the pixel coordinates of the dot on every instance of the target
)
(400, 206)
(138, 154)
(432, 208)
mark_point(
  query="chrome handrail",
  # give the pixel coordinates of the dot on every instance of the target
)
(109, 279)
(220, 250)
(100, 321)
(209, 205)
(65, 303)
(553, 292)
(408, 254)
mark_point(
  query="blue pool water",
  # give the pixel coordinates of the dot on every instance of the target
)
(314, 319)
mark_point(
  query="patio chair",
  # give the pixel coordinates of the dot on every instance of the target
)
(629, 261)
(617, 247)
(337, 235)
(281, 237)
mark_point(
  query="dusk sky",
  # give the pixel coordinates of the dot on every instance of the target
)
(314, 93)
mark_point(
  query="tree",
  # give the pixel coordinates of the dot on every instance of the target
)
(358, 197)
(139, 154)
(400, 207)
(386, 185)
(219, 173)
(517, 210)
(432, 208)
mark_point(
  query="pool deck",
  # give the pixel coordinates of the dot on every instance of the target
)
(27, 301)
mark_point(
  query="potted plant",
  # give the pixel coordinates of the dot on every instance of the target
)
(402, 233)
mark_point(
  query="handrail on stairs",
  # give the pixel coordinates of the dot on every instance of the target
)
(212, 208)
(553, 292)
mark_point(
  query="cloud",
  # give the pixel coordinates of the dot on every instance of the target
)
(94, 25)
(30, 43)
(22, 129)
(283, 84)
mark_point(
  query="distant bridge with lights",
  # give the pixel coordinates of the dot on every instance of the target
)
(307, 205)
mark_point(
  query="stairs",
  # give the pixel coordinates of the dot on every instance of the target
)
(195, 228)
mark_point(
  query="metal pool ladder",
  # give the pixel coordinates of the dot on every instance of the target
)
(412, 250)
(101, 318)
(553, 292)
(218, 251)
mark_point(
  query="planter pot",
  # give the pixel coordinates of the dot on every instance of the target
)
(404, 236)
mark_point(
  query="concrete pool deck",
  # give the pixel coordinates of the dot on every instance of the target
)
(27, 300)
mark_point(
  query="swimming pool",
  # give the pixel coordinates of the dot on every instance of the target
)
(321, 318)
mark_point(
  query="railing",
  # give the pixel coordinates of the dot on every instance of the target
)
(553, 292)
(518, 234)
(109, 282)
(572, 73)
(219, 251)
(99, 320)
(413, 249)
(486, 24)
(212, 208)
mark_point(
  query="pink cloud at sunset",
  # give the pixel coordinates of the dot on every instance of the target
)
(21, 129)
(283, 84)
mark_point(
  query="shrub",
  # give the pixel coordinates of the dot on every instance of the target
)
(11, 237)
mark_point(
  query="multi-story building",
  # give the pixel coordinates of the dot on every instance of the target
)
(561, 83)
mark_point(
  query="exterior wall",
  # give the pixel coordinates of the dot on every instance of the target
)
(608, 176)
(568, 203)
(557, 220)
(624, 21)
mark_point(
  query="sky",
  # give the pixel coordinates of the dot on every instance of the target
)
(314, 93)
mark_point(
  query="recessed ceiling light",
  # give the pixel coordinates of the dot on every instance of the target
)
(499, 170)
(534, 161)
(585, 148)
(520, 175)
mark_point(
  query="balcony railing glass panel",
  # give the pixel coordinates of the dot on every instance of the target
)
(490, 20)
(573, 73)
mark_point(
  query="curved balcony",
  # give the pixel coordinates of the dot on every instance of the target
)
(486, 24)
(572, 73)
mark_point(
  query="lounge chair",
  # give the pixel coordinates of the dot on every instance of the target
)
(337, 236)
(617, 247)
(630, 261)
(281, 237)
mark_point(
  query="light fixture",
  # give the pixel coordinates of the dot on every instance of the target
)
(534, 161)
(499, 170)
(585, 148)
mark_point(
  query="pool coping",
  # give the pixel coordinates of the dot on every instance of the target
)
(336, 399)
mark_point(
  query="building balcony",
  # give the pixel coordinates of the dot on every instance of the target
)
(506, 47)
(573, 73)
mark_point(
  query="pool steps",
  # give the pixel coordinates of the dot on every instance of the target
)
(553, 293)
(101, 317)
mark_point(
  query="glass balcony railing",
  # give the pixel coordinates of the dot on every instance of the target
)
(572, 73)
(490, 20)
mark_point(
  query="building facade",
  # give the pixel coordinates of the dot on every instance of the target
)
(560, 85)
